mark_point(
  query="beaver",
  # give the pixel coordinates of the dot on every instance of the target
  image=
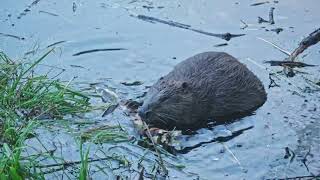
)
(210, 86)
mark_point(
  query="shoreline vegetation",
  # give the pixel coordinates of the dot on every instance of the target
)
(27, 98)
(30, 101)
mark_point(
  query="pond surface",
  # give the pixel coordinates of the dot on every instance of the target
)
(288, 122)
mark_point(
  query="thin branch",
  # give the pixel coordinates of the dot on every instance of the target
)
(308, 41)
(276, 46)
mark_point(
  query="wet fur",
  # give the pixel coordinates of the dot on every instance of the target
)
(210, 85)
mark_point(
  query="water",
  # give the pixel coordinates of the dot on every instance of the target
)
(289, 118)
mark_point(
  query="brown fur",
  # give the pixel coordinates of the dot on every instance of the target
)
(210, 85)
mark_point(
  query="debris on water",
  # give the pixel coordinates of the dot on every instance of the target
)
(308, 41)
(77, 66)
(259, 3)
(272, 81)
(49, 13)
(56, 43)
(244, 23)
(271, 18)
(261, 20)
(110, 97)
(28, 9)
(220, 45)
(134, 83)
(225, 36)
(276, 46)
(12, 36)
(110, 109)
(74, 7)
(290, 64)
(277, 30)
(107, 95)
(98, 50)
(34, 3)
(289, 153)
(148, 7)
(154, 20)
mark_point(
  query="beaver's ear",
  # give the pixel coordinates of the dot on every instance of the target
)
(184, 85)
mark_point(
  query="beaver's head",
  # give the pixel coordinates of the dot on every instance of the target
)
(166, 103)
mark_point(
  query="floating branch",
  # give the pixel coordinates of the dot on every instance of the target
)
(310, 40)
(225, 36)
(276, 46)
(271, 19)
(98, 50)
(12, 36)
(49, 13)
(290, 64)
(259, 3)
(56, 43)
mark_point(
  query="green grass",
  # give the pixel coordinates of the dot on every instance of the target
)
(84, 168)
(25, 98)
(105, 134)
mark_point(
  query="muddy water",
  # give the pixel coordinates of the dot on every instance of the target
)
(288, 121)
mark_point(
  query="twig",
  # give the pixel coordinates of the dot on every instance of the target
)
(234, 157)
(270, 70)
(272, 82)
(12, 36)
(275, 46)
(271, 19)
(261, 20)
(259, 3)
(225, 36)
(156, 149)
(98, 50)
(289, 64)
(245, 24)
(304, 160)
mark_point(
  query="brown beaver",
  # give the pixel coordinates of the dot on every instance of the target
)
(210, 86)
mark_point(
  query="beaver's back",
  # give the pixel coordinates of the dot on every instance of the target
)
(220, 83)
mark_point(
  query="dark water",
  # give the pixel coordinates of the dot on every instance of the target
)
(290, 119)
